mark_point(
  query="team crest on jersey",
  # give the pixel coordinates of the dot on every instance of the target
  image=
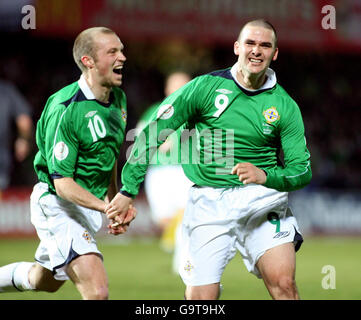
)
(165, 112)
(271, 115)
(61, 151)
(124, 115)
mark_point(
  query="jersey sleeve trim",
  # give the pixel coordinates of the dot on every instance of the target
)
(56, 175)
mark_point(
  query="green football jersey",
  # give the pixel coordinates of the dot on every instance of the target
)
(80, 137)
(160, 157)
(227, 125)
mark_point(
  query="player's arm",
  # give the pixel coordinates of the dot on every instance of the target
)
(24, 125)
(296, 172)
(61, 148)
(173, 112)
(113, 185)
(69, 190)
(115, 227)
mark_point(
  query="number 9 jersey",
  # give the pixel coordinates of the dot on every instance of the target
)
(80, 137)
(227, 124)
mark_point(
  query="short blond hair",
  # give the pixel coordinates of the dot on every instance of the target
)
(84, 44)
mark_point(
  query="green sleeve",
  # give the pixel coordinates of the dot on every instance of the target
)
(62, 146)
(172, 113)
(296, 172)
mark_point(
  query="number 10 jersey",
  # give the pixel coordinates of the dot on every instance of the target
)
(80, 137)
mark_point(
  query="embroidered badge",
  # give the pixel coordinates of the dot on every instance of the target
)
(188, 267)
(271, 115)
(61, 151)
(87, 236)
(124, 115)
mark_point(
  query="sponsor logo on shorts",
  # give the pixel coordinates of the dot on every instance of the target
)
(87, 236)
(61, 151)
(281, 234)
(165, 112)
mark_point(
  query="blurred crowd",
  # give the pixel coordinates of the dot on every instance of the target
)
(324, 84)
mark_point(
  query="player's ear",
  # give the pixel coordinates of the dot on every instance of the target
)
(88, 62)
(236, 48)
(275, 55)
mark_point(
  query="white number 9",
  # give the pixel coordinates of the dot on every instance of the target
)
(221, 103)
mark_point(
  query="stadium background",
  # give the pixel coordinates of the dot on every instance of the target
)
(318, 67)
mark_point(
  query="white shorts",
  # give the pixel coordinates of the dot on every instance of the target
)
(219, 222)
(65, 230)
(166, 188)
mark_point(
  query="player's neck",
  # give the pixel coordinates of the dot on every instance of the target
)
(101, 93)
(250, 80)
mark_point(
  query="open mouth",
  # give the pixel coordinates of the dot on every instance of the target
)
(253, 60)
(118, 69)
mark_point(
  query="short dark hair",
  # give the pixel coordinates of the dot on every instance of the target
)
(261, 23)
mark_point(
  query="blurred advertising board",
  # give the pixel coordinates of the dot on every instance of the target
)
(300, 24)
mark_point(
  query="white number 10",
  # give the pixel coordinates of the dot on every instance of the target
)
(97, 128)
(221, 104)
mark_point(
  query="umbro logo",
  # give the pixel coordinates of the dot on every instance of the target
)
(90, 114)
(281, 234)
(224, 91)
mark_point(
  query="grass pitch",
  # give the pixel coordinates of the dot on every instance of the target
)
(140, 270)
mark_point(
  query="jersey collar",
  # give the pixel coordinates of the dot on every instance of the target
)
(89, 95)
(270, 82)
(85, 88)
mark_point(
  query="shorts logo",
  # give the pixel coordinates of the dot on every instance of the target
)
(281, 234)
(61, 151)
(87, 236)
(165, 112)
(188, 267)
(271, 115)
